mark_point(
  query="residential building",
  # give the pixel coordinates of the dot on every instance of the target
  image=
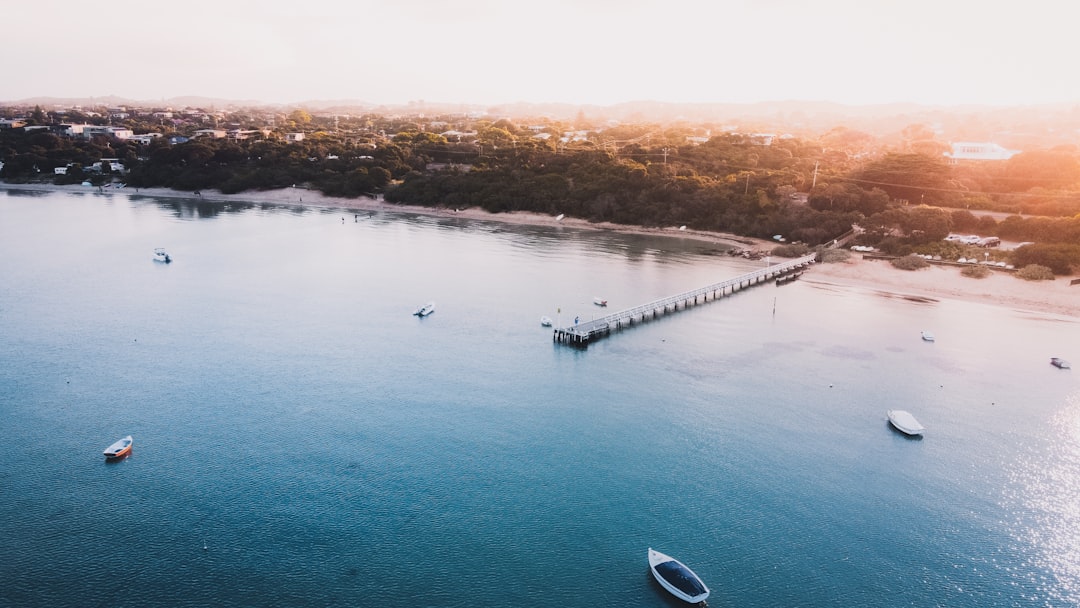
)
(978, 151)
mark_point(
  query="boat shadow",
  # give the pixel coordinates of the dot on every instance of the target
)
(118, 459)
(900, 433)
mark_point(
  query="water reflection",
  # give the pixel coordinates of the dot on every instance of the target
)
(1047, 495)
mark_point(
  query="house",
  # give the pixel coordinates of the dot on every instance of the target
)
(11, 123)
(144, 138)
(211, 133)
(978, 151)
(294, 137)
(242, 134)
(89, 131)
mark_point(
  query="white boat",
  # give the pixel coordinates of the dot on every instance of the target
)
(545, 321)
(425, 310)
(674, 576)
(905, 422)
(928, 336)
(599, 301)
(559, 218)
(161, 256)
(121, 448)
(1060, 363)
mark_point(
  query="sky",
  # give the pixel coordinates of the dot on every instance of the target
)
(935, 52)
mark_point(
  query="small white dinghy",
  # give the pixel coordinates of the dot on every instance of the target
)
(928, 336)
(545, 321)
(425, 310)
(905, 422)
(119, 449)
(677, 578)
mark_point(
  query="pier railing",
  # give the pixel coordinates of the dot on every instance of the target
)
(582, 334)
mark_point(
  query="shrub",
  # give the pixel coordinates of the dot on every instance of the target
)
(910, 262)
(793, 250)
(830, 256)
(1035, 272)
(975, 271)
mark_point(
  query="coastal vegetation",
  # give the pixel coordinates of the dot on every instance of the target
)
(910, 262)
(901, 193)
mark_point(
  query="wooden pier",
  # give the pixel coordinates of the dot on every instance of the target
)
(582, 334)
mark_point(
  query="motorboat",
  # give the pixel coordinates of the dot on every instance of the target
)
(1060, 363)
(425, 310)
(674, 576)
(121, 448)
(160, 255)
(559, 218)
(599, 301)
(905, 422)
(928, 336)
(545, 321)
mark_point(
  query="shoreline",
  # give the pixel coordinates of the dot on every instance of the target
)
(1055, 297)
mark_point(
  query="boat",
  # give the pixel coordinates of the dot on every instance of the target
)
(674, 576)
(545, 321)
(559, 218)
(928, 336)
(425, 310)
(905, 422)
(599, 301)
(121, 448)
(161, 256)
(1060, 363)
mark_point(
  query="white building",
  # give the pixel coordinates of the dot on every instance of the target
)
(967, 150)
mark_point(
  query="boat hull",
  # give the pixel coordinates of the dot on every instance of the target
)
(119, 449)
(905, 423)
(674, 576)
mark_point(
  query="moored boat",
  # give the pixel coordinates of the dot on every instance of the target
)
(545, 321)
(928, 336)
(674, 576)
(599, 301)
(425, 310)
(1060, 363)
(119, 449)
(905, 422)
(160, 255)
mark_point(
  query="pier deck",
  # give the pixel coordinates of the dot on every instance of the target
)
(583, 333)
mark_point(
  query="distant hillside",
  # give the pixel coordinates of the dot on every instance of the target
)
(1015, 126)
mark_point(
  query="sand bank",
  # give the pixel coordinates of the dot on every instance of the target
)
(314, 198)
(937, 282)
(945, 282)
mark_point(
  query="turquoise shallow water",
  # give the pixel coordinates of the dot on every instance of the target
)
(302, 439)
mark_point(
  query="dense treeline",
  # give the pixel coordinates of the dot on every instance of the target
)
(904, 198)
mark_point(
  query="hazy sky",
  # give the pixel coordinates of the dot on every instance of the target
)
(578, 51)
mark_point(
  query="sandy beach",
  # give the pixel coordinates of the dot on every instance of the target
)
(937, 282)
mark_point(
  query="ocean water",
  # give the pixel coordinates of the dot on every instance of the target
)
(302, 440)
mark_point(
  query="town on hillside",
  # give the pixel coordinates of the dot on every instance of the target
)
(897, 184)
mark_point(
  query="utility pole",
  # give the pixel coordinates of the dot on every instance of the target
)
(665, 155)
(747, 189)
(815, 176)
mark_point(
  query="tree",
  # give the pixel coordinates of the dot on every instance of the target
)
(917, 178)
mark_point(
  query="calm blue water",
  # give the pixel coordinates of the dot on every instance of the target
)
(302, 440)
